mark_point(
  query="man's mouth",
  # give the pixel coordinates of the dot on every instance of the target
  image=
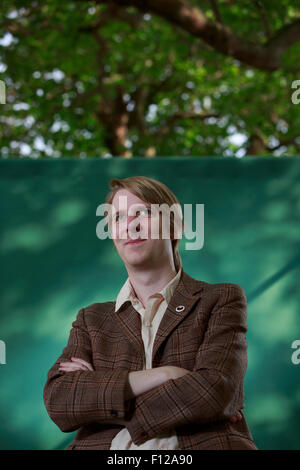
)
(135, 242)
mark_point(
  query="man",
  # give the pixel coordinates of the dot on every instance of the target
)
(163, 366)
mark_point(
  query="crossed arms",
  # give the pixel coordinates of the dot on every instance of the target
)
(165, 397)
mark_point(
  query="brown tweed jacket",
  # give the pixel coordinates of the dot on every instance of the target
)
(207, 338)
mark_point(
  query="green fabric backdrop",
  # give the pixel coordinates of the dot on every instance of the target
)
(53, 264)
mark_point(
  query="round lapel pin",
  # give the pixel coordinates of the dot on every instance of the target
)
(180, 308)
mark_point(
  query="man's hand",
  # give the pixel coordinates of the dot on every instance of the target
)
(174, 372)
(76, 364)
(237, 417)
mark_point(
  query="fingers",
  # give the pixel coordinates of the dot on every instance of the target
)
(237, 417)
(68, 367)
(81, 361)
(76, 364)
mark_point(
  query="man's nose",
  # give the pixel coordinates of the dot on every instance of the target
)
(130, 219)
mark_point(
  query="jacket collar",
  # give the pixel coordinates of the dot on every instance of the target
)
(127, 291)
(187, 293)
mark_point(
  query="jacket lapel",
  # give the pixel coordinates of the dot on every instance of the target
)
(129, 321)
(187, 294)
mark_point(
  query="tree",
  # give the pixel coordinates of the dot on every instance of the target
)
(149, 78)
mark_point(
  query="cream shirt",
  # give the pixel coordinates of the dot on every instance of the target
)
(150, 319)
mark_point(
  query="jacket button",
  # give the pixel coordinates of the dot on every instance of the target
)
(114, 413)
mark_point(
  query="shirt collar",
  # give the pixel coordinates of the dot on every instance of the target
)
(127, 292)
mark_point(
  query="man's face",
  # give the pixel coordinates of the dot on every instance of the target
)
(132, 218)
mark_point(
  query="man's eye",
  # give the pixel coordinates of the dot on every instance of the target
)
(148, 211)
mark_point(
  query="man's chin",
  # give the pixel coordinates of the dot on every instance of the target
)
(139, 261)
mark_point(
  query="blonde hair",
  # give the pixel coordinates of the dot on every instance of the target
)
(151, 191)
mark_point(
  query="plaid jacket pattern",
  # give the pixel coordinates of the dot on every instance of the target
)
(207, 338)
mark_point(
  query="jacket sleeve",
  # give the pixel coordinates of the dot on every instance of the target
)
(211, 391)
(73, 399)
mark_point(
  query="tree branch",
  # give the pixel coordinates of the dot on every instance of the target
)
(216, 10)
(220, 37)
(170, 121)
(259, 5)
